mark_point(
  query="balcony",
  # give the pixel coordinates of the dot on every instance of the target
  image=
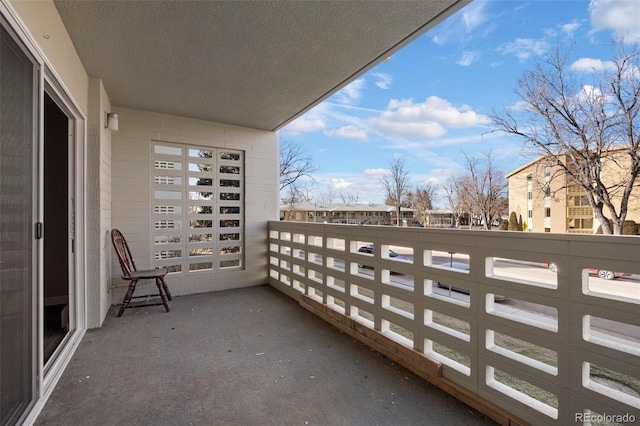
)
(524, 344)
(241, 357)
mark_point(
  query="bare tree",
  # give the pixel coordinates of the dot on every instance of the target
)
(455, 198)
(396, 185)
(407, 201)
(591, 132)
(422, 201)
(294, 164)
(484, 188)
(349, 197)
(296, 194)
(326, 197)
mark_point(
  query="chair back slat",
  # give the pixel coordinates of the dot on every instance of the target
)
(124, 254)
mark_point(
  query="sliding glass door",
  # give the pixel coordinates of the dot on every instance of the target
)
(18, 260)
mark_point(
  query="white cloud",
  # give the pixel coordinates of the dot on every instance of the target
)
(474, 16)
(472, 23)
(524, 48)
(384, 80)
(347, 132)
(570, 28)
(351, 93)
(589, 93)
(340, 183)
(388, 127)
(355, 183)
(303, 125)
(438, 40)
(468, 58)
(520, 106)
(429, 119)
(591, 65)
(375, 173)
(621, 16)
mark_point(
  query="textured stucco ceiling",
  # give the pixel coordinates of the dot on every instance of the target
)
(257, 64)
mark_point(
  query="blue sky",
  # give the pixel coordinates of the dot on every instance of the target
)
(429, 103)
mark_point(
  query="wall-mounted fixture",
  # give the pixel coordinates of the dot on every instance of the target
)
(112, 121)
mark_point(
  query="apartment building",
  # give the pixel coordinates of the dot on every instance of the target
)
(353, 214)
(361, 214)
(548, 201)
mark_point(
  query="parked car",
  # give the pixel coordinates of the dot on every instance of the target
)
(369, 249)
(602, 273)
(465, 267)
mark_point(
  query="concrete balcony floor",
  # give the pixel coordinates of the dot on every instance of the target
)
(240, 357)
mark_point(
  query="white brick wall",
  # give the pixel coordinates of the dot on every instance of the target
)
(131, 196)
(105, 207)
(98, 202)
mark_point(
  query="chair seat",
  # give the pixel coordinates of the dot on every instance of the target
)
(146, 273)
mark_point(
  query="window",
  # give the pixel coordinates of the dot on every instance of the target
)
(583, 224)
(198, 206)
(547, 212)
(578, 200)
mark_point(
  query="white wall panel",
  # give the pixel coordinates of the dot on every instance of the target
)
(132, 189)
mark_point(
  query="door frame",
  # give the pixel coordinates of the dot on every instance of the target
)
(48, 80)
(77, 306)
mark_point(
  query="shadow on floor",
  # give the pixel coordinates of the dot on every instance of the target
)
(240, 357)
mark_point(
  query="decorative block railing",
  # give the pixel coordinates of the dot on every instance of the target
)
(547, 347)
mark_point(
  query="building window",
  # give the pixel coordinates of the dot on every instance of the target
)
(547, 212)
(580, 224)
(547, 191)
(578, 200)
(547, 171)
(198, 208)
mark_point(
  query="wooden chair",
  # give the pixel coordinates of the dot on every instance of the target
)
(131, 274)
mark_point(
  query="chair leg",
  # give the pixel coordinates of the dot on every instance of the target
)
(166, 289)
(163, 295)
(127, 297)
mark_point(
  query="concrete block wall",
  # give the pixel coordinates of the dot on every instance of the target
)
(131, 192)
(106, 250)
(98, 206)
